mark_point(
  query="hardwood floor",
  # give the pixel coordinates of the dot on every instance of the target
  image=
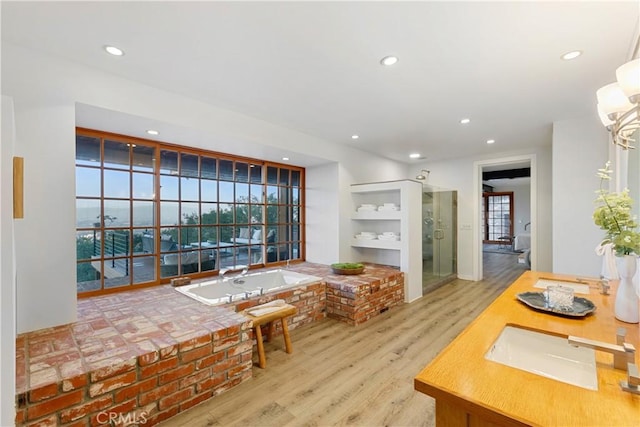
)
(361, 376)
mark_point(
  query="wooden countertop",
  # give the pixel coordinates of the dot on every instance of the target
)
(460, 376)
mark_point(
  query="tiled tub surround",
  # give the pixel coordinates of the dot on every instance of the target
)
(151, 353)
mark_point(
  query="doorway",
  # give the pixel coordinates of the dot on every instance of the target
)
(522, 220)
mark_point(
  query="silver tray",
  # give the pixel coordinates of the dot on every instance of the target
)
(537, 300)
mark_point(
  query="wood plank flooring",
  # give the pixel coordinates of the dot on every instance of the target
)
(361, 376)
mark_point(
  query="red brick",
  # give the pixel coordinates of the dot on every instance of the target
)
(112, 383)
(55, 404)
(211, 382)
(233, 330)
(219, 334)
(227, 386)
(174, 374)
(113, 370)
(148, 358)
(225, 343)
(169, 401)
(50, 421)
(195, 400)
(197, 353)
(195, 378)
(243, 306)
(104, 417)
(72, 414)
(79, 423)
(161, 366)
(240, 348)
(20, 416)
(135, 389)
(195, 343)
(42, 393)
(157, 393)
(169, 351)
(226, 364)
(161, 416)
(74, 382)
(239, 369)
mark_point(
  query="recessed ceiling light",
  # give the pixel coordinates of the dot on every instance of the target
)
(490, 141)
(153, 132)
(571, 55)
(389, 60)
(465, 121)
(414, 155)
(114, 50)
(355, 136)
(285, 158)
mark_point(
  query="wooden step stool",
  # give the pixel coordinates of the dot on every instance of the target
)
(268, 319)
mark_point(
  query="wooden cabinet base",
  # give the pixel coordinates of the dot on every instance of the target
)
(451, 415)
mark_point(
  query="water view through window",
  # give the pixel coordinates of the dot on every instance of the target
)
(147, 212)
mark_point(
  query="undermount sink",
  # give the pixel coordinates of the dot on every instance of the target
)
(546, 355)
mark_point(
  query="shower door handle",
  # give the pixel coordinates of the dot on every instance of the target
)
(438, 234)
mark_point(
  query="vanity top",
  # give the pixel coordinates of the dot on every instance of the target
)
(460, 375)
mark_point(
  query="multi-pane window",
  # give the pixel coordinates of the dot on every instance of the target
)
(498, 213)
(283, 214)
(147, 212)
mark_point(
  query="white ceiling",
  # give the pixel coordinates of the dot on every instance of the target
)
(314, 66)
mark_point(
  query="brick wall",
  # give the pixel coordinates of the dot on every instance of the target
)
(159, 384)
(355, 301)
(310, 301)
(146, 389)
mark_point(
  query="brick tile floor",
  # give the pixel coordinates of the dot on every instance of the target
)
(113, 329)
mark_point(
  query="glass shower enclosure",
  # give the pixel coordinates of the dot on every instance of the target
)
(439, 237)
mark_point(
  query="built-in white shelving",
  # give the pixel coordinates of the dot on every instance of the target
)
(377, 244)
(405, 253)
(377, 215)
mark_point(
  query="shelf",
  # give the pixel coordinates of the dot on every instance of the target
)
(378, 187)
(406, 222)
(377, 244)
(377, 215)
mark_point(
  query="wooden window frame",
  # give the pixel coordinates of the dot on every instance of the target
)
(485, 202)
(256, 253)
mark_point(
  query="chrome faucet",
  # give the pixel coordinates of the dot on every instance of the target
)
(623, 352)
(623, 357)
(603, 282)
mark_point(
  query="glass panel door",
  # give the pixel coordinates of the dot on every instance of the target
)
(439, 239)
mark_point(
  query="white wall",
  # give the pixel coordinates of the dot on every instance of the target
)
(45, 92)
(458, 174)
(46, 291)
(580, 148)
(7, 278)
(521, 205)
(322, 217)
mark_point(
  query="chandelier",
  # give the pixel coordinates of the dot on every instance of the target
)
(619, 104)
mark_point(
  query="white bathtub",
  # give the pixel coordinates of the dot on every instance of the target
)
(235, 288)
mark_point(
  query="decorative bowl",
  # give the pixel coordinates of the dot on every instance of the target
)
(347, 268)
